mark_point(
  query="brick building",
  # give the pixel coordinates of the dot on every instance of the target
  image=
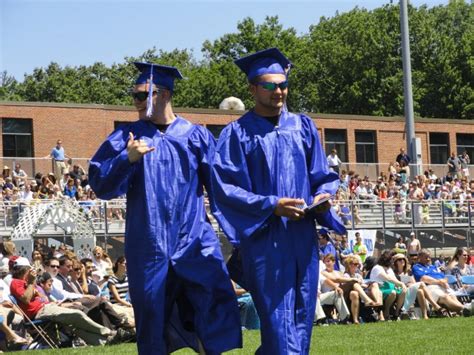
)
(30, 129)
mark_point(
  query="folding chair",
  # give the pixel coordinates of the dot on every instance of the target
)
(469, 281)
(459, 291)
(37, 328)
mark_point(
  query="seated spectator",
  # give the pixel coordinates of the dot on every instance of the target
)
(100, 310)
(459, 264)
(93, 286)
(330, 294)
(400, 246)
(248, 313)
(26, 195)
(393, 290)
(23, 288)
(7, 309)
(70, 190)
(19, 176)
(118, 283)
(37, 261)
(101, 260)
(425, 213)
(353, 291)
(353, 270)
(327, 247)
(416, 291)
(345, 214)
(6, 172)
(78, 174)
(118, 287)
(437, 284)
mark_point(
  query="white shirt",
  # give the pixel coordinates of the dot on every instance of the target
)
(4, 291)
(377, 271)
(59, 293)
(333, 160)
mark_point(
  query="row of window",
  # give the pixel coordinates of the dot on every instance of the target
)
(18, 142)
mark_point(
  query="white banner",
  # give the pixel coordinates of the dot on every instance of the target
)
(368, 239)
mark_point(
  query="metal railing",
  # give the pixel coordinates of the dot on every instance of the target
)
(108, 217)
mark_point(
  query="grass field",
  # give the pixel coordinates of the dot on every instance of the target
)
(434, 336)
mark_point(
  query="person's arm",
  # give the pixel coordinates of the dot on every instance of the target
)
(61, 294)
(333, 285)
(30, 288)
(239, 211)
(116, 296)
(84, 283)
(432, 281)
(337, 277)
(390, 278)
(111, 167)
(322, 181)
(238, 290)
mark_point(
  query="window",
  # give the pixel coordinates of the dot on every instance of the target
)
(366, 147)
(439, 148)
(336, 139)
(215, 129)
(17, 137)
(465, 142)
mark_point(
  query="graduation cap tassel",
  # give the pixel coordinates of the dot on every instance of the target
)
(149, 100)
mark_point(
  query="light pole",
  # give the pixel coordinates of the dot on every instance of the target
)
(407, 88)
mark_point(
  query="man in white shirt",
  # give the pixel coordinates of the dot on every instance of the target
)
(19, 176)
(333, 161)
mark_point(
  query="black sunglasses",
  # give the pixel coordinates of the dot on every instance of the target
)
(54, 266)
(267, 85)
(141, 95)
(77, 269)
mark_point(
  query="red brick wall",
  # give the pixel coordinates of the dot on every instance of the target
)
(83, 127)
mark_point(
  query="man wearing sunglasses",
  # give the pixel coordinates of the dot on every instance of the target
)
(268, 165)
(162, 163)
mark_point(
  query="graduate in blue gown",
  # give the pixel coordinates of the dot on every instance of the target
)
(267, 164)
(179, 285)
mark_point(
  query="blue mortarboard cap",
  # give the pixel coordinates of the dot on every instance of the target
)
(323, 231)
(161, 75)
(268, 61)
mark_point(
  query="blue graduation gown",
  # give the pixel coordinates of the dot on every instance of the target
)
(255, 165)
(173, 255)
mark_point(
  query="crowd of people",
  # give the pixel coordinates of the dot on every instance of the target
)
(259, 203)
(399, 284)
(87, 299)
(398, 191)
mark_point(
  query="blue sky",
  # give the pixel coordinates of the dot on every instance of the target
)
(34, 33)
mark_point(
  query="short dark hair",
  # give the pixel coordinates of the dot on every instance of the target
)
(86, 260)
(385, 259)
(63, 259)
(48, 262)
(19, 271)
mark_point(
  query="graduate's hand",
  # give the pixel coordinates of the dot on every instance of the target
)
(324, 206)
(136, 149)
(286, 207)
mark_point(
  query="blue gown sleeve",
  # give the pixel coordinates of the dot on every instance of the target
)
(322, 180)
(240, 212)
(109, 169)
(203, 144)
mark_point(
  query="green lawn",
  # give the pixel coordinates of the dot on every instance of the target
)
(435, 336)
